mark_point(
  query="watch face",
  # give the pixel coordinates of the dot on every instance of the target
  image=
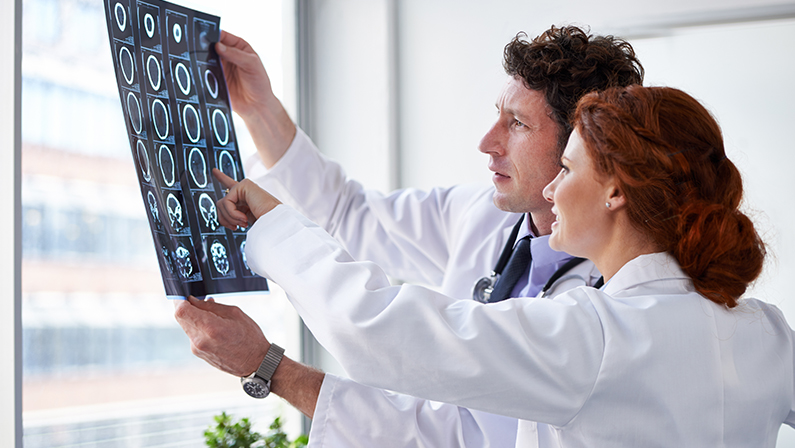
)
(256, 387)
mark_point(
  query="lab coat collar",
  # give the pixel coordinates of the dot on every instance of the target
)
(648, 268)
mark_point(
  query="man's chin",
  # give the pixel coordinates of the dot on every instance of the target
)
(506, 203)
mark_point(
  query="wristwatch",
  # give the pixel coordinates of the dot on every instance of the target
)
(258, 384)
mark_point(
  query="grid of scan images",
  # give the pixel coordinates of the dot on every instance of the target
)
(178, 119)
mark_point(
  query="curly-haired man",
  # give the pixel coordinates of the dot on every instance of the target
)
(448, 237)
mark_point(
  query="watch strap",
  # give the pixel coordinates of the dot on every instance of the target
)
(270, 362)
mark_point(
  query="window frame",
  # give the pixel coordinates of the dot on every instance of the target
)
(10, 226)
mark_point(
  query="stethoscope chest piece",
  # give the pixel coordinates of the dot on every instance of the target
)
(483, 288)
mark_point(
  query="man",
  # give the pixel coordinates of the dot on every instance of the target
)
(446, 237)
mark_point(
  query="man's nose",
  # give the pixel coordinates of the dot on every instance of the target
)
(490, 143)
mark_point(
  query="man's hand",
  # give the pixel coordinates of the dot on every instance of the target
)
(222, 335)
(230, 341)
(248, 82)
(243, 204)
(253, 99)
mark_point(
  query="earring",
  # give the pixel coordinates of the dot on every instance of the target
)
(608, 204)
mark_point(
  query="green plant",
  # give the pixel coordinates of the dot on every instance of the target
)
(230, 434)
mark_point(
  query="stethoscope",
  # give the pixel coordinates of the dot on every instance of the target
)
(484, 286)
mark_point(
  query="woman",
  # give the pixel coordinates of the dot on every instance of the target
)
(665, 354)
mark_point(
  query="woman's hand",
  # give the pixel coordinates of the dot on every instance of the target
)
(243, 203)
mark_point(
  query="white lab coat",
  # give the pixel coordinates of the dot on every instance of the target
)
(645, 362)
(447, 238)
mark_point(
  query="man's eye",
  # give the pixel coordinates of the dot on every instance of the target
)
(518, 123)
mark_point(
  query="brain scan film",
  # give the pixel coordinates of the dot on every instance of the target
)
(121, 16)
(226, 163)
(243, 254)
(160, 119)
(190, 121)
(178, 118)
(182, 76)
(174, 208)
(152, 201)
(208, 211)
(134, 112)
(184, 265)
(149, 25)
(167, 260)
(177, 33)
(220, 258)
(220, 127)
(143, 160)
(167, 165)
(211, 83)
(197, 166)
(153, 72)
(127, 65)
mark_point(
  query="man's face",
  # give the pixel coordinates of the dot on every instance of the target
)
(522, 147)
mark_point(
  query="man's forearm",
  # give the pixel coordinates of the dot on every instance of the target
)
(272, 131)
(298, 384)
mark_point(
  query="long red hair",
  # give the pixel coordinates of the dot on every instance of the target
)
(666, 152)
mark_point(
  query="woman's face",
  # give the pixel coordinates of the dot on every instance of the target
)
(579, 195)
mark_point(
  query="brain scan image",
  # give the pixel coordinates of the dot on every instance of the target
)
(127, 65)
(167, 260)
(204, 32)
(167, 165)
(152, 201)
(220, 258)
(208, 211)
(190, 121)
(143, 160)
(160, 118)
(134, 112)
(204, 41)
(153, 72)
(121, 16)
(226, 163)
(177, 33)
(243, 254)
(197, 167)
(221, 127)
(182, 76)
(174, 208)
(149, 25)
(184, 265)
(211, 83)
(148, 17)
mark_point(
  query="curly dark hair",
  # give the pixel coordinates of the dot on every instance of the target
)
(566, 63)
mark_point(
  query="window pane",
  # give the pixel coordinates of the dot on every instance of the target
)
(104, 362)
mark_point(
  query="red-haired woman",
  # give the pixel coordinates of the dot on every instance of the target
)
(665, 354)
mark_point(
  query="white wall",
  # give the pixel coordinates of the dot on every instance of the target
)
(449, 73)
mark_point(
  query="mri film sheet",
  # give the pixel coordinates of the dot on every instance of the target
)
(178, 117)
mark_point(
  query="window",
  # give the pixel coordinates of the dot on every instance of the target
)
(104, 362)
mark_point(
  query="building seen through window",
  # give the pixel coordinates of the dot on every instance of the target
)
(104, 362)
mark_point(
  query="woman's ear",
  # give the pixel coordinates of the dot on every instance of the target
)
(615, 198)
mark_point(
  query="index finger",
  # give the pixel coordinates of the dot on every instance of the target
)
(225, 180)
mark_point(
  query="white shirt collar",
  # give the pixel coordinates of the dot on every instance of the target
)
(645, 269)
